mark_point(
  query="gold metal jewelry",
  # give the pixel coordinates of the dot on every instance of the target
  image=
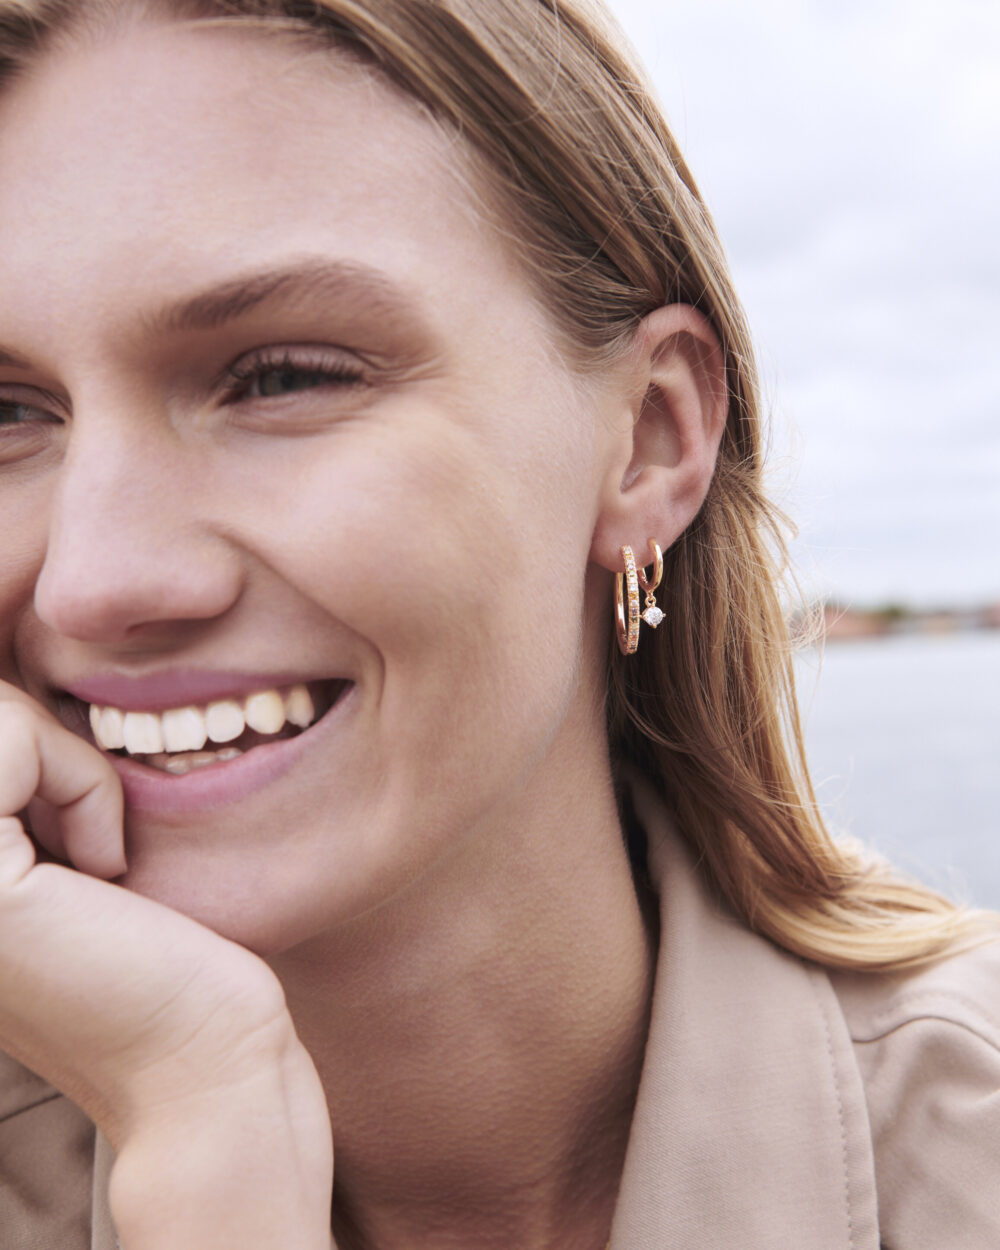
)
(627, 622)
(652, 615)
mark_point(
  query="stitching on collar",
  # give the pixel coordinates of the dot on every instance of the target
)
(840, 1112)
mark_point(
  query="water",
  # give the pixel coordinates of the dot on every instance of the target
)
(903, 736)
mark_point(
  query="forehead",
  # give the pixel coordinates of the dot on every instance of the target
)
(169, 155)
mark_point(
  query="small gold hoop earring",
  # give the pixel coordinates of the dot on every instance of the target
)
(652, 615)
(627, 622)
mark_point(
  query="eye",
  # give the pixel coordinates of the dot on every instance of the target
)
(266, 376)
(13, 413)
(26, 430)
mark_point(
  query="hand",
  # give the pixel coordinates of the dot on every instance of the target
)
(175, 1041)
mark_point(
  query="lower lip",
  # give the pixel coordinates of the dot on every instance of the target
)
(150, 790)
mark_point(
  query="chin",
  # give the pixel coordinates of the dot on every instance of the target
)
(247, 904)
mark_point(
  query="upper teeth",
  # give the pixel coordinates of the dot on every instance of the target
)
(189, 728)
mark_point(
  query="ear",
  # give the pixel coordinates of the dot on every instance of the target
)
(674, 401)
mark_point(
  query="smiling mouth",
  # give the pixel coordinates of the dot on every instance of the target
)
(181, 740)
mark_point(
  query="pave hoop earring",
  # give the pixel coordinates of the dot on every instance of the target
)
(627, 622)
(652, 615)
(627, 619)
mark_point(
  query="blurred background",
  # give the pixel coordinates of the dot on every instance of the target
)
(850, 155)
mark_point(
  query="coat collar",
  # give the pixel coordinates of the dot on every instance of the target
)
(750, 1129)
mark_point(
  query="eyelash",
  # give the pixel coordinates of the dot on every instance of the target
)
(238, 381)
(241, 376)
(42, 417)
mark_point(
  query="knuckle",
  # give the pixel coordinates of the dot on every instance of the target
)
(13, 712)
(19, 758)
(18, 722)
(17, 855)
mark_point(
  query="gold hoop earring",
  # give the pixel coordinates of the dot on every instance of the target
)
(652, 615)
(627, 623)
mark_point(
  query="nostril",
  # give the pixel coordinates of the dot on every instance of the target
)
(113, 594)
(88, 607)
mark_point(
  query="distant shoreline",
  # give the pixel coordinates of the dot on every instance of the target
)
(835, 622)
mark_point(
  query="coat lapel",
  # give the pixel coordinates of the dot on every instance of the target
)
(750, 1129)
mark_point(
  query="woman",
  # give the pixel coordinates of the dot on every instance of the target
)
(350, 353)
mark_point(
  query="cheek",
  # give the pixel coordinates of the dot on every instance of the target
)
(418, 524)
(435, 546)
(25, 508)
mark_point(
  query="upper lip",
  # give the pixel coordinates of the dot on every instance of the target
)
(156, 692)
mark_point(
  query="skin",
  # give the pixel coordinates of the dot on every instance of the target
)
(430, 920)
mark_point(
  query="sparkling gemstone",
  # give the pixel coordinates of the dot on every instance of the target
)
(652, 616)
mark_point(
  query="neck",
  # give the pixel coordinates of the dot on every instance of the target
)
(480, 1037)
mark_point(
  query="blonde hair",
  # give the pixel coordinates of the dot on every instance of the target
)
(609, 222)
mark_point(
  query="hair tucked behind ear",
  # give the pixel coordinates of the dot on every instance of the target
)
(595, 195)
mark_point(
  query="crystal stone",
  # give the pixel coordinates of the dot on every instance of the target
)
(652, 616)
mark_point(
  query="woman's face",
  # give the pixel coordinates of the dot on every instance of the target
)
(276, 408)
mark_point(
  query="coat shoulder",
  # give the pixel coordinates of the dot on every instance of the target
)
(962, 991)
(927, 1044)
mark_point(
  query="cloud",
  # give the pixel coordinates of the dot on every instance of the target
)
(851, 157)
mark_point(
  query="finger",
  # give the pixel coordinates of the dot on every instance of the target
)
(40, 758)
(17, 854)
(42, 824)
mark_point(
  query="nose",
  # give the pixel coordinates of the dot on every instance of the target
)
(131, 551)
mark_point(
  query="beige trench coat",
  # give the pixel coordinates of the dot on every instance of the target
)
(781, 1107)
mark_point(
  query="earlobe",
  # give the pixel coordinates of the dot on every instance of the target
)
(677, 398)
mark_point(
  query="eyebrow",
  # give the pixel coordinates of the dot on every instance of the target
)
(358, 289)
(345, 282)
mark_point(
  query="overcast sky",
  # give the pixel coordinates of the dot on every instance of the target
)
(850, 153)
